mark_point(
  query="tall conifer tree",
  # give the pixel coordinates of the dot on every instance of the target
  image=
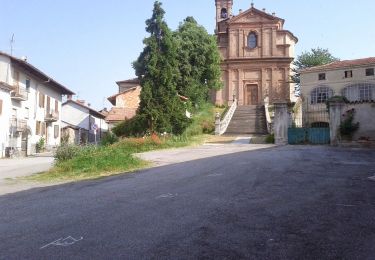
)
(157, 67)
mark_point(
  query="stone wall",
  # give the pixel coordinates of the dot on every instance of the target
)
(365, 115)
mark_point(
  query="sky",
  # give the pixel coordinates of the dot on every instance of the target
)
(88, 45)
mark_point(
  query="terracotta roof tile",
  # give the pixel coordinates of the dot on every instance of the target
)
(342, 64)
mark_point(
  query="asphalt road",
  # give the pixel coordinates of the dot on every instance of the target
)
(279, 203)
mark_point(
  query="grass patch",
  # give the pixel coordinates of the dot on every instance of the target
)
(78, 163)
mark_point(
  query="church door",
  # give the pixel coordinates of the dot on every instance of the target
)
(251, 95)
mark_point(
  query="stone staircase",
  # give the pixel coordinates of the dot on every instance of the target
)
(248, 120)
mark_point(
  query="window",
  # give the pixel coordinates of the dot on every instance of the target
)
(28, 84)
(27, 113)
(1, 106)
(359, 92)
(43, 128)
(41, 100)
(56, 131)
(365, 93)
(48, 105)
(348, 74)
(321, 95)
(252, 41)
(322, 76)
(56, 106)
(370, 72)
(224, 13)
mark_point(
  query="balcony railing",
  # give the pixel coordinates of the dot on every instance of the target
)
(18, 125)
(52, 116)
(19, 93)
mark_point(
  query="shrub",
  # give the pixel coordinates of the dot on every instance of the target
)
(347, 127)
(40, 145)
(136, 126)
(270, 139)
(66, 152)
(109, 138)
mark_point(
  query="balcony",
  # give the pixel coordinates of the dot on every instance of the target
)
(18, 125)
(51, 116)
(19, 94)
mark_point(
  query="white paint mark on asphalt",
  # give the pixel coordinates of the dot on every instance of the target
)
(215, 175)
(372, 178)
(68, 241)
(345, 205)
(166, 196)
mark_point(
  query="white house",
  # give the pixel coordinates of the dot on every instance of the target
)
(352, 79)
(30, 105)
(81, 123)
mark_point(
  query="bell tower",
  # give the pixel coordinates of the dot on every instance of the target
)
(223, 9)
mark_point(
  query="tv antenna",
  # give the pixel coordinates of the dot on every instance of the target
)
(12, 41)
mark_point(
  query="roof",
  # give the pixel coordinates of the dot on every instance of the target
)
(341, 64)
(39, 74)
(257, 11)
(120, 114)
(112, 99)
(133, 81)
(91, 110)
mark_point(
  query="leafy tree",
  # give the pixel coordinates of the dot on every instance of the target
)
(315, 57)
(157, 67)
(199, 61)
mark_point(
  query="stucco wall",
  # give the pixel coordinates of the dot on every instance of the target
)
(130, 99)
(365, 115)
(4, 121)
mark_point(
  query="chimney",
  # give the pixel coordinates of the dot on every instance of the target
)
(240, 11)
(264, 9)
(24, 58)
(69, 97)
(273, 14)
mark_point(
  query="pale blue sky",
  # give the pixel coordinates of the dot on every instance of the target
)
(87, 45)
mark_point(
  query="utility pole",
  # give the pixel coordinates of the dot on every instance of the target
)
(11, 45)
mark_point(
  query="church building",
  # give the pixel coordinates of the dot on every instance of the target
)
(256, 56)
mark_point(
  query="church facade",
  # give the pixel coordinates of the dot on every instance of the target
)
(256, 55)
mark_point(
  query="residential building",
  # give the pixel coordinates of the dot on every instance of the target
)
(30, 104)
(82, 124)
(125, 103)
(352, 79)
(257, 53)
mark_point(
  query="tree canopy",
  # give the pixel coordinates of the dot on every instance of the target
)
(315, 57)
(199, 61)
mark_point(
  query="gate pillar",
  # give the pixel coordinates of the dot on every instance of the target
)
(335, 109)
(281, 120)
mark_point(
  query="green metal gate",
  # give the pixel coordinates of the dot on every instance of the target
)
(309, 124)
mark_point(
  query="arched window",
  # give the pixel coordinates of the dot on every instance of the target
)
(359, 92)
(252, 41)
(224, 13)
(321, 94)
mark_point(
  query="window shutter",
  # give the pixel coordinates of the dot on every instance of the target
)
(56, 106)
(37, 128)
(56, 131)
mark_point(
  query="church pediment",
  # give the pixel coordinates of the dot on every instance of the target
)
(254, 15)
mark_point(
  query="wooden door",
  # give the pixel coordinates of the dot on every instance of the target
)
(251, 95)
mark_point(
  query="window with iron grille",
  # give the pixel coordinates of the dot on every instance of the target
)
(321, 94)
(359, 92)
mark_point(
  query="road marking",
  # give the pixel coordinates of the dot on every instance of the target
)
(215, 175)
(372, 178)
(68, 241)
(345, 205)
(167, 195)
